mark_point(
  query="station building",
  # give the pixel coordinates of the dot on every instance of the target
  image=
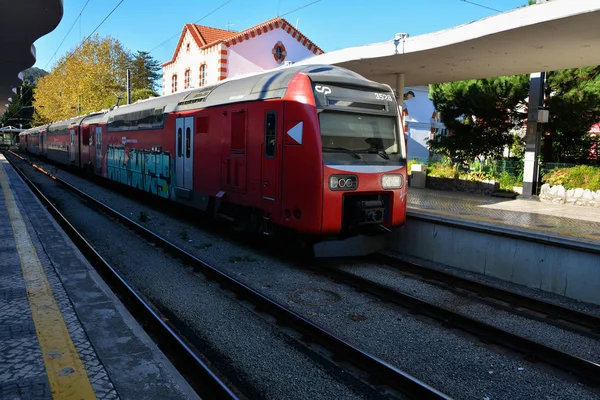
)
(205, 55)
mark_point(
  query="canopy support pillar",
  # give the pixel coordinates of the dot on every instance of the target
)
(532, 149)
(400, 89)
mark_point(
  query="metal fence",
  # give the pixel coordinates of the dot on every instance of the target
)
(513, 167)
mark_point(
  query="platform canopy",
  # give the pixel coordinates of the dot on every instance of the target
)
(544, 37)
(22, 22)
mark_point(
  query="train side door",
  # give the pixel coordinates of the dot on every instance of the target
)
(72, 145)
(184, 156)
(271, 157)
(98, 149)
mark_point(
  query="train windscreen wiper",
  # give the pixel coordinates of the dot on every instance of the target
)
(344, 149)
(381, 153)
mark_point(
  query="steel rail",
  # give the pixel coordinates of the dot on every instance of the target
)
(380, 371)
(588, 371)
(199, 375)
(552, 311)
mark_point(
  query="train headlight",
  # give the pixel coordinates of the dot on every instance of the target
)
(390, 181)
(343, 182)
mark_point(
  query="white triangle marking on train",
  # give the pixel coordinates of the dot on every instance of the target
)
(296, 132)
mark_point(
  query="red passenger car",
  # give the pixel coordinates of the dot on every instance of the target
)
(317, 150)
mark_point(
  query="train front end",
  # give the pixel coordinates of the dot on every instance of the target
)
(364, 166)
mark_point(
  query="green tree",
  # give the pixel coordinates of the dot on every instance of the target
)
(145, 71)
(20, 110)
(573, 100)
(31, 75)
(83, 80)
(479, 113)
(142, 94)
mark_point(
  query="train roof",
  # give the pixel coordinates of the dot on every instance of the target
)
(262, 85)
(35, 129)
(269, 85)
(167, 103)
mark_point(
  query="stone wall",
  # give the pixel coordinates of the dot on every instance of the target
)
(462, 185)
(579, 197)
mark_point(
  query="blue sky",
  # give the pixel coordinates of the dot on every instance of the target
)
(331, 24)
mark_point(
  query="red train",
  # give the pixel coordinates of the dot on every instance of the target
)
(317, 150)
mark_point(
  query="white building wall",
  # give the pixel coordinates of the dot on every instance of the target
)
(192, 60)
(256, 55)
(420, 110)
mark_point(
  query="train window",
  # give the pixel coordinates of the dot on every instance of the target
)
(179, 141)
(270, 134)
(187, 142)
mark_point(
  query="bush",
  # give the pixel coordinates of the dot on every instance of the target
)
(581, 176)
(478, 176)
(505, 171)
(442, 170)
(508, 181)
(410, 164)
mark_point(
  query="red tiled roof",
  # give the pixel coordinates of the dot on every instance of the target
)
(211, 35)
(205, 36)
(277, 22)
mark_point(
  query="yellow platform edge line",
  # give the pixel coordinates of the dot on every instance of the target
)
(502, 222)
(66, 373)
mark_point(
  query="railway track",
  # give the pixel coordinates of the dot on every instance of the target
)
(377, 372)
(199, 375)
(587, 371)
(562, 317)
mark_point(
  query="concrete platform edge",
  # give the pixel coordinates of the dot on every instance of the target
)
(544, 266)
(520, 234)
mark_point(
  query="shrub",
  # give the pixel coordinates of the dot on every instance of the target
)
(441, 170)
(581, 176)
(477, 176)
(508, 181)
(410, 164)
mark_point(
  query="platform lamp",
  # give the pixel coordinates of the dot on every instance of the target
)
(409, 95)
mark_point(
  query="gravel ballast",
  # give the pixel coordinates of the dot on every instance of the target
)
(254, 354)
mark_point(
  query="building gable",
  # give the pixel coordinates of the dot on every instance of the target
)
(216, 54)
(203, 36)
(275, 23)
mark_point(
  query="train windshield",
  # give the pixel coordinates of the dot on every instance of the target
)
(359, 133)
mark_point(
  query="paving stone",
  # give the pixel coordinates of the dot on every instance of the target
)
(561, 221)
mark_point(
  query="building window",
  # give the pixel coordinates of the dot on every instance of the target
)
(203, 75)
(174, 83)
(187, 47)
(279, 52)
(187, 78)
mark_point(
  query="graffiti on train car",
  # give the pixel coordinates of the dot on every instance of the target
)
(142, 169)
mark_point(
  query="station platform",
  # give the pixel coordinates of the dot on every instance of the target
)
(557, 222)
(63, 333)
